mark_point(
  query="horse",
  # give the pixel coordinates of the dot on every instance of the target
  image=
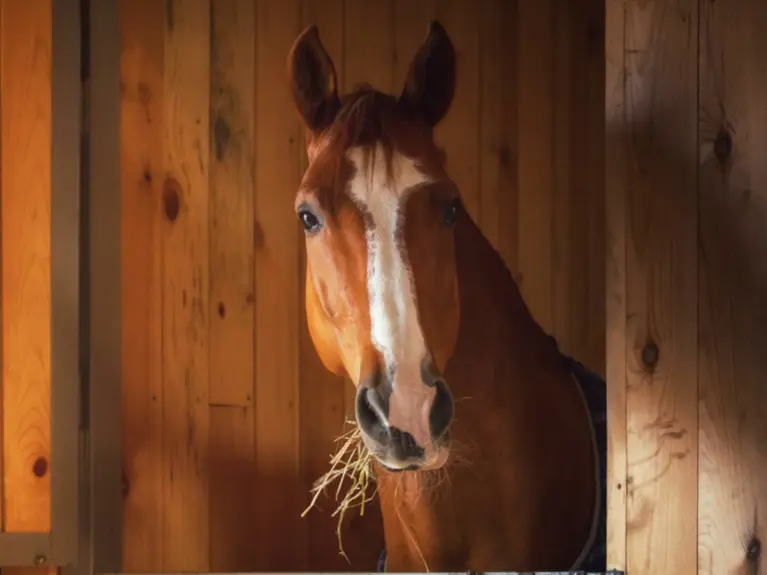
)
(409, 301)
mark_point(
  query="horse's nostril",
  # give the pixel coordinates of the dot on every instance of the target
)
(371, 412)
(441, 414)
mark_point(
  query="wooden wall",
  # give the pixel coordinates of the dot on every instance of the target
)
(687, 278)
(25, 236)
(228, 414)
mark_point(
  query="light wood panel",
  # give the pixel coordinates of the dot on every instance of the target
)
(25, 108)
(732, 283)
(25, 185)
(661, 286)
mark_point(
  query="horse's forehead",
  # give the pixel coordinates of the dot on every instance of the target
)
(381, 184)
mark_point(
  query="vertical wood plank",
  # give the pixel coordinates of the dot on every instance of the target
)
(280, 534)
(368, 57)
(589, 139)
(26, 273)
(535, 146)
(233, 497)
(732, 508)
(498, 153)
(566, 209)
(578, 209)
(616, 169)
(661, 286)
(142, 167)
(411, 21)
(232, 287)
(185, 280)
(459, 131)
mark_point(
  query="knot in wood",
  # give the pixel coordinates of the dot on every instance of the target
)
(171, 199)
(40, 467)
(723, 146)
(753, 550)
(650, 355)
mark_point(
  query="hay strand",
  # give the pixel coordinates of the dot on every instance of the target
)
(352, 461)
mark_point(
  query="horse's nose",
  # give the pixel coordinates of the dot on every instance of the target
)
(373, 417)
(405, 436)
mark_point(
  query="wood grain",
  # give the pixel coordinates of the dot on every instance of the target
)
(25, 181)
(185, 285)
(732, 508)
(142, 168)
(279, 532)
(661, 286)
(232, 267)
(232, 286)
(616, 170)
(498, 128)
(535, 136)
(233, 500)
(26, 274)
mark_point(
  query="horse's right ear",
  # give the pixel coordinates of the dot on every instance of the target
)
(313, 82)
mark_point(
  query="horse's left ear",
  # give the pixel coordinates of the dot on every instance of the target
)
(313, 82)
(430, 83)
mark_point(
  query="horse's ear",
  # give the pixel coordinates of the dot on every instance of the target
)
(313, 82)
(430, 83)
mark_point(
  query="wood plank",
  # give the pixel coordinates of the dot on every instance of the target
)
(233, 499)
(322, 393)
(566, 209)
(280, 533)
(592, 129)
(2, 299)
(232, 283)
(410, 21)
(616, 184)
(185, 281)
(661, 286)
(732, 509)
(25, 178)
(142, 170)
(459, 132)
(232, 464)
(535, 146)
(578, 227)
(26, 273)
(498, 127)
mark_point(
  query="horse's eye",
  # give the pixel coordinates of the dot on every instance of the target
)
(452, 212)
(310, 222)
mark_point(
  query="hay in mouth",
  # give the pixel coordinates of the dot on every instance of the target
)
(352, 461)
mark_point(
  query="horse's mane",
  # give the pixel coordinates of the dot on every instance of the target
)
(367, 117)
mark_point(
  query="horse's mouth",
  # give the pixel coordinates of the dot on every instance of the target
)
(411, 467)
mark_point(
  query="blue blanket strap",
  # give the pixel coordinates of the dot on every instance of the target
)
(595, 392)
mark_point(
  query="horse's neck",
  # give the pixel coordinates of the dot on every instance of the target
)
(497, 328)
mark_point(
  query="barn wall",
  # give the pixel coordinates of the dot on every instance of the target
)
(228, 415)
(25, 300)
(686, 314)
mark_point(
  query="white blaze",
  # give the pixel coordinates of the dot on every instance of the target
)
(395, 330)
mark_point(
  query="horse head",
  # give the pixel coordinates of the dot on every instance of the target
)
(379, 213)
